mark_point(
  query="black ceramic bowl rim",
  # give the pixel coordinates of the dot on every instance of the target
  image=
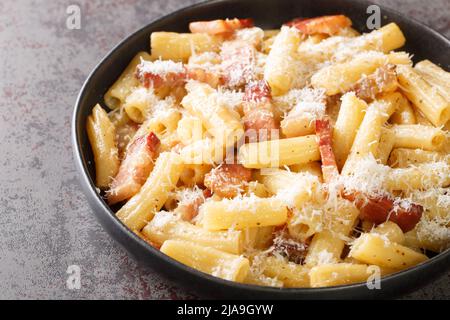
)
(391, 285)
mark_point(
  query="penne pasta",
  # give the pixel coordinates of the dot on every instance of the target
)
(416, 136)
(212, 261)
(102, 133)
(373, 249)
(116, 95)
(163, 179)
(166, 226)
(247, 212)
(278, 153)
(180, 46)
(278, 71)
(425, 97)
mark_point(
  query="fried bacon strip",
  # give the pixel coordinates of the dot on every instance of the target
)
(294, 251)
(134, 169)
(220, 27)
(157, 80)
(238, 63)
(384, 79)
(375, 209)
(258, 112)
(203, 75)
(189, 210)
(330, 25)
(382, 208)
(174, 79)
(228, 180)
(324, 133)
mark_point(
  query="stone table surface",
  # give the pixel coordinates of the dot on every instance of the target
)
(45, 223)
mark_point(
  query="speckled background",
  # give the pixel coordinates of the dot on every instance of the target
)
(45, 222)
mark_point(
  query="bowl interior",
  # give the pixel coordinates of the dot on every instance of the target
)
(421, 41)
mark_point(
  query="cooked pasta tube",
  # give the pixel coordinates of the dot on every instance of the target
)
(338, 274)
(221, 122)
(426, 98)
(374, 249)
(278, 71)
(166, 226)
(209, 260)
(368, 136)
(163, 179)
(180, 46)
(291, 274)
(387, 142)
(121, 89)
(277, 153)
(350, 116)
(421, 176)
(435, 76)
(246, 212)
(102, 134)
(404, 114)
(402, 157)
(391, 231)
(417, 136)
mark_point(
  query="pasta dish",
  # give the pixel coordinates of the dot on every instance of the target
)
(306, 156)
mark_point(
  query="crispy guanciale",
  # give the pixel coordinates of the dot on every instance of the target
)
(376, 209)
(228, 180)
(134, 169)
(329, 25)
(259, 121)
(220, 27)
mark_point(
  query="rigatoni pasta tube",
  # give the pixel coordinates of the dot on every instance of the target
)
(154, 193)
(424, 97)
(165, 226)
(340, 77)
(387, 38)
(180, 46)
(138, 104)
(436, 76)
(402, 157)
(387, 142)
(279, 71)
(119, 91)
(246, 212)
(350, 116)
(374, 249)
(313, 168)
(222, 123)
(368, 136)
(325, 248)
(391, 231)
(291, 274)
(298, 125)
(260, 279)
(209, 260)
(404, 114)
(277, 153)
(417, 136)
(102, 134)
(421, 176)
(206, 151)
(294, 188)
(338, 274)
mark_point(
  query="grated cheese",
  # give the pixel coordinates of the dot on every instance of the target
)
(160, 67)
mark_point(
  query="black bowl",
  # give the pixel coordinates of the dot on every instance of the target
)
(422, 41)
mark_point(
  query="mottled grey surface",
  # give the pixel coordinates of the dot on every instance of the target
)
(45, 222)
